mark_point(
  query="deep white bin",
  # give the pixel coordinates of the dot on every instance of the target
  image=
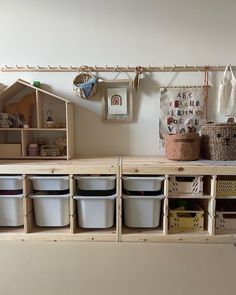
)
(142, 211)
(132, 183)
(51, 210)
(95, 211)
(96, 182)
(11, 182)
(11, 210)
(50, 183)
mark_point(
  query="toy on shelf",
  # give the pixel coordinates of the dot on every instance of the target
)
(49, 122)
(49, 150)
(61, 143)
(33, 149)
(5, 121)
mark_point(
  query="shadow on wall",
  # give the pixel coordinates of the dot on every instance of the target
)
(148, 86)
(94, 137)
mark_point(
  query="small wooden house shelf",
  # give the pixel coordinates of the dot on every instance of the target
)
(36, 104)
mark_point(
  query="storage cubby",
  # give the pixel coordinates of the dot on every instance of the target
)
(225, 216)
(226, 186)
(94, 200)
(125, 199)
(142, 205)
(35, 119)
(189, 186)
(48, 197)
(189, 216)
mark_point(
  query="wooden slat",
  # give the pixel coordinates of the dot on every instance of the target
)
(70, 135)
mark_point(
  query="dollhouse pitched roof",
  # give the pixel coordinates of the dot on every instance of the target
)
(19, 85)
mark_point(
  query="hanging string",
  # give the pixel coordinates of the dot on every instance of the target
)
(205, 92)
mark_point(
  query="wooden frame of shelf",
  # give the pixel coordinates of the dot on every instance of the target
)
(119, 167)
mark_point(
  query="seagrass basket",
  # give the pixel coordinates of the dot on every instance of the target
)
(80, 79)
(218, 141)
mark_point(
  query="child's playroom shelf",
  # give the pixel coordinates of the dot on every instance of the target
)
(217, 223)
(34, 119)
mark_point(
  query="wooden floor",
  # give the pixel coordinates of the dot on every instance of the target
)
(35, 268)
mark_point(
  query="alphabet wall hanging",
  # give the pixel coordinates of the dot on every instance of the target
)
(182, 110)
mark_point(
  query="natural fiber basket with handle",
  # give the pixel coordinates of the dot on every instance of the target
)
(80, 79)
(218, 141)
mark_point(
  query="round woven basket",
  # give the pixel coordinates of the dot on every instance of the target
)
(218, 141)
(82, 78)
(182, 147)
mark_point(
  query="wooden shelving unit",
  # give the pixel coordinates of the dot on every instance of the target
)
(34, 103)
(119, 167)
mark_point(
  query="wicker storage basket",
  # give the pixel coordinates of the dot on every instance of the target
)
(218, 141)
(80, 79)
(182, 147)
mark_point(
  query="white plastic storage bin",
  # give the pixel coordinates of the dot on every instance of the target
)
(96, 182)
(11, 210)
(11, 182)
(186, 184)
(50, 183)
(95, 211)
(148, 184)
(142, 211)
(51, 210)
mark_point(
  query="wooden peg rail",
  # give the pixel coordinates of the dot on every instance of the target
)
(164, 68)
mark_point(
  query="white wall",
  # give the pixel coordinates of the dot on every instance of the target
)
(111, 32)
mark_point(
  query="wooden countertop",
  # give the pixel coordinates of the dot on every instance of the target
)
(110, 165)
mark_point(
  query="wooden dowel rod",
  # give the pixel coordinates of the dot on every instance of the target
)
(175, 68)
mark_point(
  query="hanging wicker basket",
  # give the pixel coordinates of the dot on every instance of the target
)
(218, 141)
(81, 79)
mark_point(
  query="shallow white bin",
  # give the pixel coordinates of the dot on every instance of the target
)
(11, 210)
(96, 182)
(51, 210)
(50, 183)
(95, 211)
(11, 182)
(142, 211)
(132, 183)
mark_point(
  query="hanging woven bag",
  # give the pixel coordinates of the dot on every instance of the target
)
(227, 93)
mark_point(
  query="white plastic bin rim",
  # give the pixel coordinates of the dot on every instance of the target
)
(95, 177)
(144, 178)
(159, 197)
(19, 177)
(49, 196)
(95, 197)
(48, 177)
(20, 196)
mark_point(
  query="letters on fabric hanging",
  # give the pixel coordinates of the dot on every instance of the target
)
(182, 110)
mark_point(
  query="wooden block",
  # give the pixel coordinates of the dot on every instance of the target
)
(8, 150)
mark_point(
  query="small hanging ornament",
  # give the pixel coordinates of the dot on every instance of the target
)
(138, 73)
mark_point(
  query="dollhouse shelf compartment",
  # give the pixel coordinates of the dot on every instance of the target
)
(119, 167)
(36, 105)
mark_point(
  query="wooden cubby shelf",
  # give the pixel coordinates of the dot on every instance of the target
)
(212, 198)
(35, 116)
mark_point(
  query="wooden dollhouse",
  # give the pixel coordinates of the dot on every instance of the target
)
(33, 117)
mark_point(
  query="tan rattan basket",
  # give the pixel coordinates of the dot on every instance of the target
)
(80, 79)
(218, 141)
